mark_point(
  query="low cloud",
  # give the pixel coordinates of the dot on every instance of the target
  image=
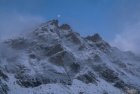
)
(129, 39)
(14, 24)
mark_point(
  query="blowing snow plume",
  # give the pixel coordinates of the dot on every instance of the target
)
(129, 39)
(14, 24)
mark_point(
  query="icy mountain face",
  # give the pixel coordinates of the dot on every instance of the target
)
(54, 59)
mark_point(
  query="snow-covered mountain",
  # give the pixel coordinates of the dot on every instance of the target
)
(53, 59)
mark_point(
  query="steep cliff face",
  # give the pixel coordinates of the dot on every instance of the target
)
(53, 59)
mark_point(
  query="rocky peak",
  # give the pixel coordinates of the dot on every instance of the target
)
(65, 27)
(95, 38)
(100, 43)
(53, 22)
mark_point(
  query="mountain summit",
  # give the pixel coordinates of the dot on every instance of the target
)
(53, 59)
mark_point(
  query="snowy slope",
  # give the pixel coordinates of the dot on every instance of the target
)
(53, 59)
